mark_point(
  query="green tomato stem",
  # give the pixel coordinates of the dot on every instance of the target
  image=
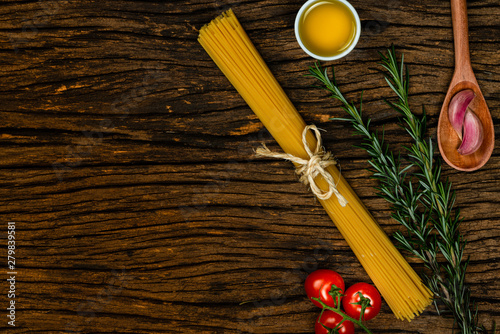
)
(339, 312)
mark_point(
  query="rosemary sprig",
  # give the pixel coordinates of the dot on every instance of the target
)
(424, 208)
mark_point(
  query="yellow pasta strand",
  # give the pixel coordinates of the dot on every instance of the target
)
(228, 45)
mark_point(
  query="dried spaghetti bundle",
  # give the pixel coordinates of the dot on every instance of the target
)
(229, 46)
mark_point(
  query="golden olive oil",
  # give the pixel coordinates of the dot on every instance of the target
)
(327, 28)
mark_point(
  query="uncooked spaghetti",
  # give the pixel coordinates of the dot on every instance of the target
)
(228, 45)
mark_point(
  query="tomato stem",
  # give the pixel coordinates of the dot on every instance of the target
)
(364, 303)
(342, 314)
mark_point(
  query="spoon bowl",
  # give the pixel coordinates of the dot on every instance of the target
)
(464, 78)
(448, 140)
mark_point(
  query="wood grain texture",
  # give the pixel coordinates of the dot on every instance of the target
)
(126, 161)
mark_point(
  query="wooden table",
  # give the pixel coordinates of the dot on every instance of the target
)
(127, 165)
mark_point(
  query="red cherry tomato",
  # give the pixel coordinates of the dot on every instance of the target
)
(352, 297)
(319, 283)
(331, 319)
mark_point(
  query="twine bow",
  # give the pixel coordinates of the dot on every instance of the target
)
(309, 169)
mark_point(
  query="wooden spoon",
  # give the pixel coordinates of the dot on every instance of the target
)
(464, 78)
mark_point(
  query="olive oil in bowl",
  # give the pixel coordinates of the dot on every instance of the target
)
(327, 29)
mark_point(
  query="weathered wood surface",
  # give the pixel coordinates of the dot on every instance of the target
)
(157, 219)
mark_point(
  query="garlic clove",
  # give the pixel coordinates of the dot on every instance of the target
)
(458, 108)
(473, 134)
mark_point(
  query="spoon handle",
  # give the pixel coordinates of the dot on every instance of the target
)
(461, 39)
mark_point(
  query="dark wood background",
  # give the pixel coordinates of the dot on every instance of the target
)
(126, 163)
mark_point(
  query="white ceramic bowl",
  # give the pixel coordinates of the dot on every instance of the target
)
(340, 55)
